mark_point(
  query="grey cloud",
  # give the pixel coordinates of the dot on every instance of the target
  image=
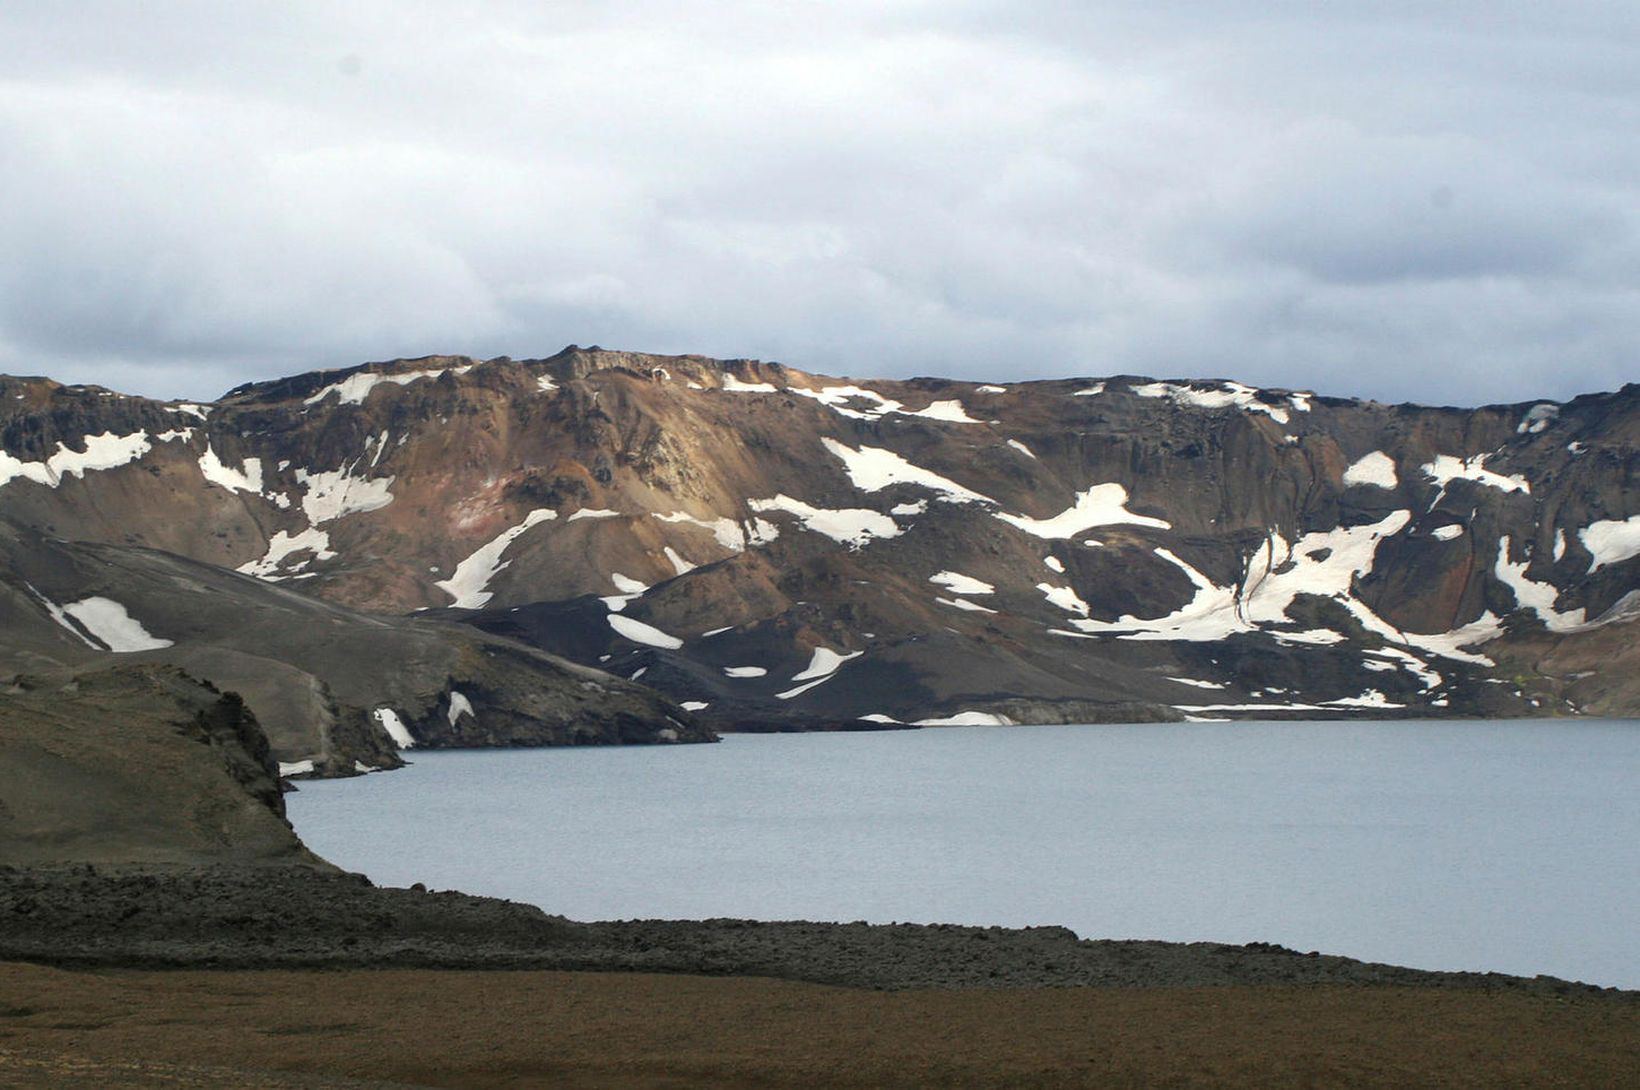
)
(1368, 199)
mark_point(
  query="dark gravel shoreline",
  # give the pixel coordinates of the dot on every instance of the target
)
(281, 917)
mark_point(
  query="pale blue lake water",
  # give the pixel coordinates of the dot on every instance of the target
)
(1507, 846)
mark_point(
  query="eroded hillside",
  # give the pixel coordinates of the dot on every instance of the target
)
(777, 549)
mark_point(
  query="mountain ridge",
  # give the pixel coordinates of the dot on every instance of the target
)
(741, 534)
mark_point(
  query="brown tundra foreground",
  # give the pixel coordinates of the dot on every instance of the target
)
(62, 1028)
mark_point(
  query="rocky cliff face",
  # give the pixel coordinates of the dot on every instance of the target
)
(779, 550)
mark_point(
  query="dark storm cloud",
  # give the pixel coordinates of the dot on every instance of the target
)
(1359, 198)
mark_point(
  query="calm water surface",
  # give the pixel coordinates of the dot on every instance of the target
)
(1509, 846)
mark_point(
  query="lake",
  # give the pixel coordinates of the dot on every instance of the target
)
(1507, 846)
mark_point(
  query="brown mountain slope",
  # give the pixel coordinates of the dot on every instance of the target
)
(778, 548)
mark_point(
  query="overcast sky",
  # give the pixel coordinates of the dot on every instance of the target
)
(1360, 198)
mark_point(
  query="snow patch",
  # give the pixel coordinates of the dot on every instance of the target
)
(1053, 563)
(950, 411)
(246, 479)
(823, 663)
(1092, 391)
(873, 469)
(459, 706)
(1197, 683)
(1540, 598)
(626, 584)
(695, 705)
(735, 386)
(990, 389)
(1412, 664)
(1021, 447)
(837, 397)
(957, 583)
(744, 671)
(1324, 563)
(1101, 505)
(728, 532)
(638, 632)
(593, 513)
(336, 492)
(1372, 698)
(968, 719)
(353, 389)
(679, 564)
(630, 588)
(109, 622)
(851, 526)
(1446, 468)
(801, 689)
(1447, 533)
(380, 443)
(1225, 395)
(965, 604)
(1377, 469)
(1537, 418)
(1319, 637)
(1611, 541)
(102, 452)
(56, 613)
(466, 584)
(1248, 707)
(395, 728)
(296, 768)
(1452, 644)
(282, 545)
(1064, 597)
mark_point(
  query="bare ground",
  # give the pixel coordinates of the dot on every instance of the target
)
(123, 1028)
(286, 977)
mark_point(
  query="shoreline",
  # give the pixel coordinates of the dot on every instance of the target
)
(285, 917)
